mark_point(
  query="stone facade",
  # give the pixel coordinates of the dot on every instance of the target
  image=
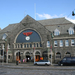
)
(43, 29)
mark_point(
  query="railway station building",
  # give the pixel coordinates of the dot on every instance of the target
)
(50, 39)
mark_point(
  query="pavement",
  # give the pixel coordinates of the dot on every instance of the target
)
(31, 66)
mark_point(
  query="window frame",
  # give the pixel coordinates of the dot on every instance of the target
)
(56, 32)
(61, 43)
(72, 42)
(71, 31)
(55, 43)
(66, 43)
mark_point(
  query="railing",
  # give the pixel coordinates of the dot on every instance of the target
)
(27, 45)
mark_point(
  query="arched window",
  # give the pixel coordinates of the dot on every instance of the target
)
(58, 55)
(67, 54)
(27, 53)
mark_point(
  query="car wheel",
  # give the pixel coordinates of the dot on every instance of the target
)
(45, 63)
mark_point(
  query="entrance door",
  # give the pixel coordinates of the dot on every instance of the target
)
(18, 57)
(28, 58)
(37, 57)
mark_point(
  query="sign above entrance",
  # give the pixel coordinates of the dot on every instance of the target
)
(27, 33)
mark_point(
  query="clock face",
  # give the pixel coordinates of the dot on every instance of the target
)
(27, 38)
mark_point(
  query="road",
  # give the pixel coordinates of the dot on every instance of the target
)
(36, 70)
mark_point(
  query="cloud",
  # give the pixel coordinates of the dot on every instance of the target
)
(47, 16)
(72, 20)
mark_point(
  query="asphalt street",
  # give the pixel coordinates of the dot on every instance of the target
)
(30, 69)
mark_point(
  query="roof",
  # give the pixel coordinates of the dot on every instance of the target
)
(55, 21)
(61, 24)
(8, 29)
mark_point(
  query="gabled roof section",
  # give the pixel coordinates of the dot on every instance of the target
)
(8, 29)
(27, 19)
(56, 21)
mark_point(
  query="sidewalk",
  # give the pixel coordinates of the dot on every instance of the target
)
(19, 64)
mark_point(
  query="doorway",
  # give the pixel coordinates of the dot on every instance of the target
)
(28, 58)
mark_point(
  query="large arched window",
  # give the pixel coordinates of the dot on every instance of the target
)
(28, 36)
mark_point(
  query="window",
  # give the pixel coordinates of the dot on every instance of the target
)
(71, 31)
(21, 45)
(61, 43)
(56, 32)
(55, 44)
(72, 42)
(37, 44)
(24, 45)
(67, 54)
(58, 55)
(40, 45)
(66, 43)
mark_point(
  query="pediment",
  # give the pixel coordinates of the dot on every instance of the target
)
(27, 20)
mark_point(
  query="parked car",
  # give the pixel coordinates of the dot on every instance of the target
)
(42, 62)
(67, 61)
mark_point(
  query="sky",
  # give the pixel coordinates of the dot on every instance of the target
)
(13, 11)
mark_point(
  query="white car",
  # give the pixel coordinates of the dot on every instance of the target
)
(42, 62)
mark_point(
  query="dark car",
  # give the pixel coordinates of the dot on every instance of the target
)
(67, 61)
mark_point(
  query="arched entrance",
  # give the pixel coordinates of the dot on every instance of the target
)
(28, 58)
(37, 56)
(18, 57)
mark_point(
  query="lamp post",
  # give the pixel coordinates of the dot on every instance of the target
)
(51, 46)
(5, 39)
(34, 54)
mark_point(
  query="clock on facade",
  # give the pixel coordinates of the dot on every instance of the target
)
(27, 38)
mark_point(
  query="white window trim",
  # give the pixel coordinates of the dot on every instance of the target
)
(61, 44)
(66, 43)
(72, 42)
(71, 30)
(56, 31)
(55, 43)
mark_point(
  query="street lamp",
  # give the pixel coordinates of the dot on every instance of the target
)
(51, 46)
(34, 54)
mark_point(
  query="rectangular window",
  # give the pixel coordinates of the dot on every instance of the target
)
(72, 42)
(66, 43)
(61, 43)
(24, 45)
(55, 44)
